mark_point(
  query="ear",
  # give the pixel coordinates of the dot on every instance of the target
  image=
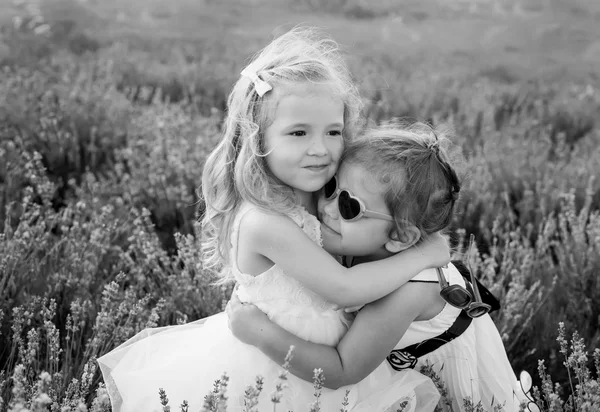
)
(402, 239)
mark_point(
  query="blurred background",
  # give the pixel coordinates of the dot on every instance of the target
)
(108, 109)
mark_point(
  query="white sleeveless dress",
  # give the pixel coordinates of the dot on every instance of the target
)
(474, 364)
(185, 360)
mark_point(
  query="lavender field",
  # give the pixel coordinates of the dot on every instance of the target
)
(109, 108)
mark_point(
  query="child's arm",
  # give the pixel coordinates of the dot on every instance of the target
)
(281, 241)
(378, 327)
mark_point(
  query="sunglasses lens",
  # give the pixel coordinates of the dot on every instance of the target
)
(476, 312)
(330, 188)
(457, 297)
(349, 207)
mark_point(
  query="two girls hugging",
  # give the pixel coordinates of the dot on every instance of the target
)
(334, 242)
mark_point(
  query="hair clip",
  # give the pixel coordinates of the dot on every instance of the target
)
(260, 86)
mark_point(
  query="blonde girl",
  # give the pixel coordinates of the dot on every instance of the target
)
(289, 116)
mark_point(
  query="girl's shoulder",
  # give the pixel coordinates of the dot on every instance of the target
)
(420, 301)
(250, 215)
(411, 299)
(421, 294)
(254, 219)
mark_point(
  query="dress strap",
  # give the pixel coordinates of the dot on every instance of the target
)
(407, 358)
(423, 281)
(427, 275)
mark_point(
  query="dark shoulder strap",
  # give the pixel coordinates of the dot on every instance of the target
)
(407, 358)
(423, 281)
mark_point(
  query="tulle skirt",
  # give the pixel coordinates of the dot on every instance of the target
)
(475, 366)
(186, 360)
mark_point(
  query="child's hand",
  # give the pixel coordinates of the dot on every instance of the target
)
(245, 320)
(436, 250)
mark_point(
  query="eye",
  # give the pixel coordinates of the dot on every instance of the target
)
(298, 133)
(335, 133)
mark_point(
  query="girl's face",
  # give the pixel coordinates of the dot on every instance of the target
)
(366, 236)
(304, 142)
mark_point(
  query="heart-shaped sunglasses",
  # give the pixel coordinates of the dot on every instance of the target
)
(351, 207)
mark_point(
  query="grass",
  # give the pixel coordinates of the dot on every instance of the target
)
(107, 118)
(463, 36)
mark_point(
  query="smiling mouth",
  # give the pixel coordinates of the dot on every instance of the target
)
(317, 167)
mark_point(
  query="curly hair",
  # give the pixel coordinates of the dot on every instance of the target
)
(236, 170)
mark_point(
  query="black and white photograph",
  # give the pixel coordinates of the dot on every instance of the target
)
(299, 205)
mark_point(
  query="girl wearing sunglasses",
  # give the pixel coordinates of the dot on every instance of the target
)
(289, 115)
(394, 189)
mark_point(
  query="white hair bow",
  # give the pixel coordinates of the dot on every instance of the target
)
(260, 85)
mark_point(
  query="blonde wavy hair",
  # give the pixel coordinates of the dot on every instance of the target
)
(236, 169)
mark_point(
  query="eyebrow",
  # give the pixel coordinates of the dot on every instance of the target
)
(306, 125)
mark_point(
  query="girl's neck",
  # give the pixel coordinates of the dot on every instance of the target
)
(306, 200)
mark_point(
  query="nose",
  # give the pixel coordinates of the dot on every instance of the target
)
(318, 146)
(329, 207)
